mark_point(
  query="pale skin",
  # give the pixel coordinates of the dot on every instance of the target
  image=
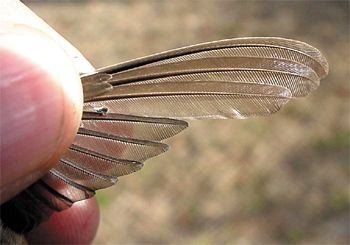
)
(41, 105)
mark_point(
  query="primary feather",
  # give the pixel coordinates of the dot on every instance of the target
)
(194, 100)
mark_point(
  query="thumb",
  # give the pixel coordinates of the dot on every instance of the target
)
(40, 106)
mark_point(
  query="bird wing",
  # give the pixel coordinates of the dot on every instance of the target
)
(129, 108)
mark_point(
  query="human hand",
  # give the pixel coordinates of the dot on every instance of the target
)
(40, 111)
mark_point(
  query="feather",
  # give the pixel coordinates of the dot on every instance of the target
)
(49, 195)
(95, 84)
(215, 64)
(83, 176)
(66, 187)
(194, 100)
(298, 85)
(118, 147)
(147, 128)
(99, 163)
(290, 46)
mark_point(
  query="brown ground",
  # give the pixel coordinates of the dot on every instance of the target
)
(282, 179)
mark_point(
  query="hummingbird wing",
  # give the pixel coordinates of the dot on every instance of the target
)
(129, 108)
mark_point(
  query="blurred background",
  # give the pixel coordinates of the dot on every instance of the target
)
(282, 179)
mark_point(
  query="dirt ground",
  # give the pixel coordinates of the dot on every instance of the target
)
(282, 179)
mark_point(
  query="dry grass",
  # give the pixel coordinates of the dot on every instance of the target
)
(282, 179)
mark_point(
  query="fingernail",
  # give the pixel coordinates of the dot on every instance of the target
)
(41, 102)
